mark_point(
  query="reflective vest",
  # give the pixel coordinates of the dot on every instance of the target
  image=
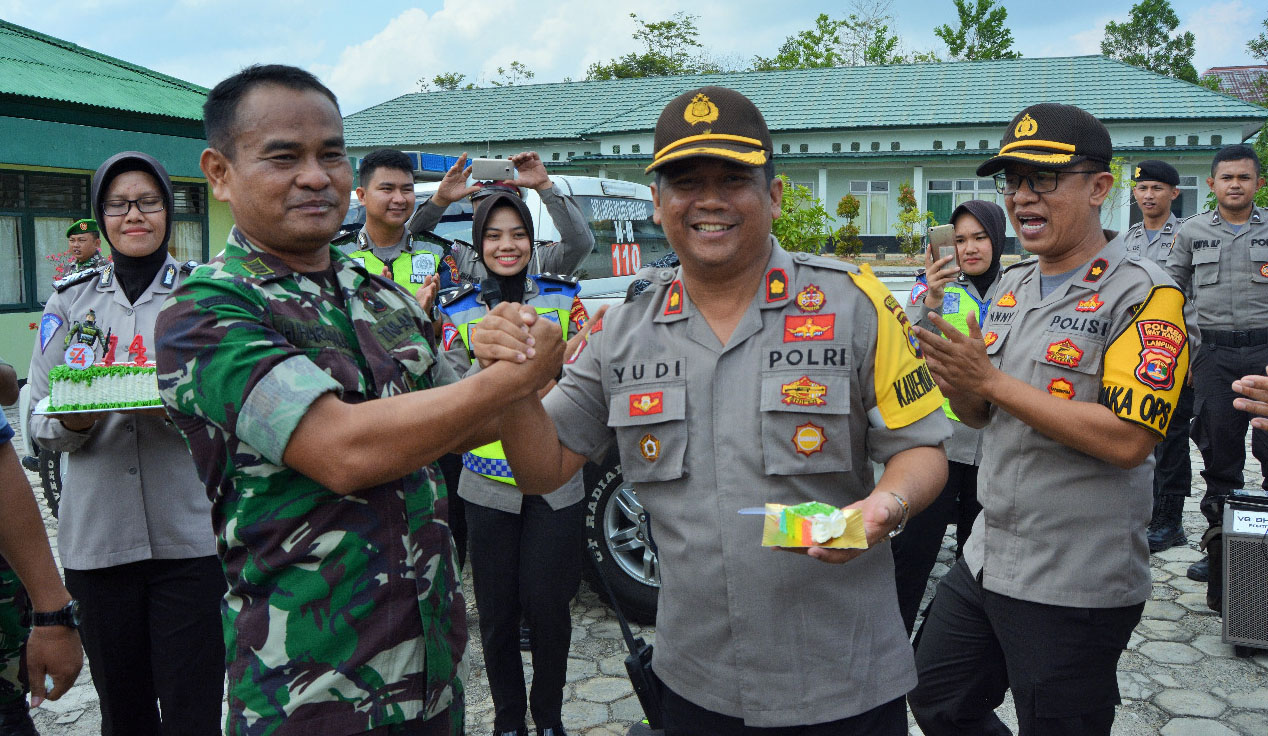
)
(957, 304)
(553, 301)
(410, 268)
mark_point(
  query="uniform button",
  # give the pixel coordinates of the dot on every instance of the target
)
(801, 257)
(131, 471)
(129, 312)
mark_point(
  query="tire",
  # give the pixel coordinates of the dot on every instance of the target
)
(51, 479)
(616, 527)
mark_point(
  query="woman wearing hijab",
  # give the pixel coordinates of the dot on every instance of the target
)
(955, 292)
(526, 551)
(134, 532)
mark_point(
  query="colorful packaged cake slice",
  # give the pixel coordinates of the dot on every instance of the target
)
(813, 524)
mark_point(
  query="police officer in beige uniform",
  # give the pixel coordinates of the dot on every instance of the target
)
(1082, 344)
(576, 241)
(748, 375)
(1155, 186)
(1222, 258)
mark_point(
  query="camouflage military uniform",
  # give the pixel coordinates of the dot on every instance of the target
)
(97, 261)
(15, 614)
(344, 613)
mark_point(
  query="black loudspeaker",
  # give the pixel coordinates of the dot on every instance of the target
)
(1246, 570)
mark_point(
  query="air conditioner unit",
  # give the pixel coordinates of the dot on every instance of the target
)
(1246, 571)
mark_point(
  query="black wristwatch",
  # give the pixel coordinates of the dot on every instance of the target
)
(68, 616)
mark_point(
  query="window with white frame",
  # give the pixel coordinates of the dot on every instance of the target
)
(873, 199)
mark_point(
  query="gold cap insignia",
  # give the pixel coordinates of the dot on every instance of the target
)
(83, 226)
(700, 110)
(1137, 175)
(1026, 127)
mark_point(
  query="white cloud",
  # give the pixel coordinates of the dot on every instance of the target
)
(1220, 32)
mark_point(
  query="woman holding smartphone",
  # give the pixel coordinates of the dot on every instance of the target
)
(955, 285)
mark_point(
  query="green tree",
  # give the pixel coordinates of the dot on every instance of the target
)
(849, 244)
(515, 74)
(447, 81)
(863, 37)
(670, 47)
(1258, 46)
(907, 230)
(1146, 41)
(815, 48)
(981, 35)
(802, 224)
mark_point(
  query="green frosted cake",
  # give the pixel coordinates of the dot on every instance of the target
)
(102, 387)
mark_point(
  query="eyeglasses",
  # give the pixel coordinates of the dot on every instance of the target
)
(118, 207)
(1040, 182)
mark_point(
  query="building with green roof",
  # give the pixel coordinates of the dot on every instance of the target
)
(863, 130)
(63, 110)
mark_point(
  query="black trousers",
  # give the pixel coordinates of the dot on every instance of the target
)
(1221, 430)
(1173, 473)
(684, 718)
(916, 549)
(152, 633)
(451, 469)
(526, 565)
(1060, 662)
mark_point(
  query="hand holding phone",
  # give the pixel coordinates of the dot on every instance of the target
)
(492, 169)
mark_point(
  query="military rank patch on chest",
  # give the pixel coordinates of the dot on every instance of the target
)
(642, 405)
(1008, 300)
(804, 392)
(810, 299)
(1096, 270)
(649, 448)
(1090, 304)
(1061, 388)
(800, 328)
(808, 439)
(1064, 353)
(673, 302)
(990, 338)
(1263, 270)
(776, 285)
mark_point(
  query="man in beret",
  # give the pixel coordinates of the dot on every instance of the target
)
(85, 246)
(746, 375)
(1081, 344)
(1155, 186)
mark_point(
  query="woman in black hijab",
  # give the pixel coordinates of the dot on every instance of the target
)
(956, 291)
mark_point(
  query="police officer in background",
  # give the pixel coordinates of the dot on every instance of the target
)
(1081, 344)
(747, 375)
(1221, 256)
(575, 238)
(1156, 185)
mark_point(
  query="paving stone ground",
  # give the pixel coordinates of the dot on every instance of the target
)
(1177, 678)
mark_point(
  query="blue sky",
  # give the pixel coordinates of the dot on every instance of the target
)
(373, 51)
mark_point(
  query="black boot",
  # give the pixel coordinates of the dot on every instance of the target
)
(1200, 570)
(1166, 530)
(15, 720)
(1213, 541)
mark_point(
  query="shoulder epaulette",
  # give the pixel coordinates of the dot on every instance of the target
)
(462, 291)
(561, 278)
(188, 267)
(76, 278)
(821, 262)
(1026, 262)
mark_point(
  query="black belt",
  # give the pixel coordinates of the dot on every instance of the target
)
(1235, 338)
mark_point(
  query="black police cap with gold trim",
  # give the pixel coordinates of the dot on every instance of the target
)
(1052, 136)
(79, 227)
(714, 122)
(1160, 171)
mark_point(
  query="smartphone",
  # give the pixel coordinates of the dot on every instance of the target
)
(942, 242)
(492, 169)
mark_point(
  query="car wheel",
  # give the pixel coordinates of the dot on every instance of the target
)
(616, 528)
(51, 479)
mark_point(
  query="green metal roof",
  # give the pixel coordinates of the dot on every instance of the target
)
(861, 97)
(34, 65)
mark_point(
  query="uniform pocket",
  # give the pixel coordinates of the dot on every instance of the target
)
(1206, 266)
(805, 422)
(651, 431)
(1258, 264)
(1072, 352)
(994, 338)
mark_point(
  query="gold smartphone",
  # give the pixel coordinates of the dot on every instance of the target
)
(942, 242)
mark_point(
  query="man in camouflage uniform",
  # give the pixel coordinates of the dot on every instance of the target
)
(85, 245)
(15, 612)
(345, 613)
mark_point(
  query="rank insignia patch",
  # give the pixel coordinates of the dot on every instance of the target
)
(649, 448)
(448, 334)
(642, 405)
(673, 302)
(1008, 300)
(809, 439)
(169, 276)
(990, 338)
(1061, 388)
(257, 267)
(1096, 270)
(1161, 343)
(800, 328)
(810, 299)
(804, 392)
(776, 285)
(1090, 304)
(1065, 353)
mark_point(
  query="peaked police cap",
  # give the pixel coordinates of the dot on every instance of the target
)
(1052, 136)
(714, 122)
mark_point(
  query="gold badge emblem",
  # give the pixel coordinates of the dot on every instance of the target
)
(649, 448)
(1137, 174)
(804, 392)
(83, 226)
(808, 439)
(1026, 127)
(700, 110)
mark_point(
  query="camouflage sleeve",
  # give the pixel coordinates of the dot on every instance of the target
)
(222, 362)
(575, 239)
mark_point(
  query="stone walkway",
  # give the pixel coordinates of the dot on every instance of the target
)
(1177, 678)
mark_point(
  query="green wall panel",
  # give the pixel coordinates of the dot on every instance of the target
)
(44, 143)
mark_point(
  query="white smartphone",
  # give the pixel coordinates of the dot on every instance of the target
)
(492, 169)
(942, 242)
